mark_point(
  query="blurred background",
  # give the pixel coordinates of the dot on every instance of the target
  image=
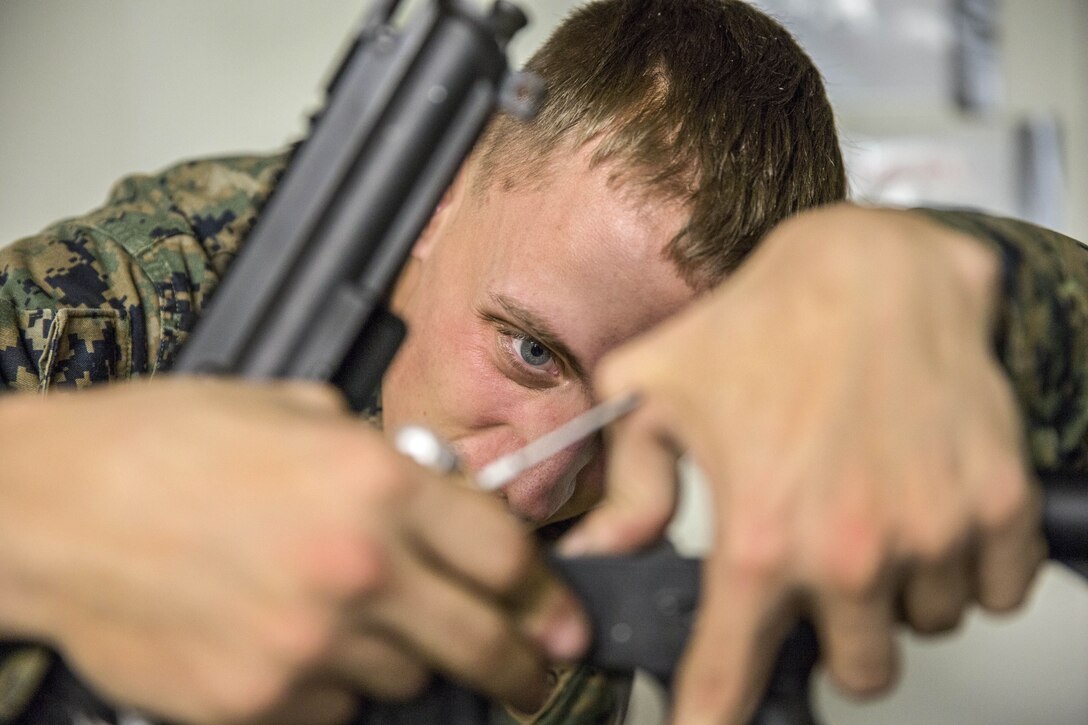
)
(982, 103)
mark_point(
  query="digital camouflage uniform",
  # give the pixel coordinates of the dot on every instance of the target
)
(113, 294)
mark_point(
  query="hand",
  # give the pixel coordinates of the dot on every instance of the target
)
(861, 442)
(221, 552)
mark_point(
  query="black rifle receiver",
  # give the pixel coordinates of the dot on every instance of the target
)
(306, 296)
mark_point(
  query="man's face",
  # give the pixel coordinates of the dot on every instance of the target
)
(512, 299)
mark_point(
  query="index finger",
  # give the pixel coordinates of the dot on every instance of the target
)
(470, 535)
(742, 621)
(640, 495)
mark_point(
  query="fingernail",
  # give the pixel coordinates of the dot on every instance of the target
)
(577, 543)
(567, 638)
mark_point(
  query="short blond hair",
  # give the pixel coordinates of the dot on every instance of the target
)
(709, 102)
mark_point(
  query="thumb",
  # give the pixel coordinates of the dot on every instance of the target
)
(640, 494)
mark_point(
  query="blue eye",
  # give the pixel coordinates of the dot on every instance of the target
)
(532, 352)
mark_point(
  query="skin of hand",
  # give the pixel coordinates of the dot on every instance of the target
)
(260, 555)
(861, 442)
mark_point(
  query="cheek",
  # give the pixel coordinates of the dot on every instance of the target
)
(435, 375)
(483, 389)
(445, 377)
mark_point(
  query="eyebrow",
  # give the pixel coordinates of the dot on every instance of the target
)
(541, 331)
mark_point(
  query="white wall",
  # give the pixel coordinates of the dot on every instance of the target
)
(1046, 70)
(92, 90)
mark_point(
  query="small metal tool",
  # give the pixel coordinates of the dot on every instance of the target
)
(506, 468)
(425, 448)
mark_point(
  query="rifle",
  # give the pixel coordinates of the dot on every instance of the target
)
(306, 298)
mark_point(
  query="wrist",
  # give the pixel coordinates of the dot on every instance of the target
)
(866, 250)
(976, 265)
(26, 540)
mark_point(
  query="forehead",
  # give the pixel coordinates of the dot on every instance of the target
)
(581, 248)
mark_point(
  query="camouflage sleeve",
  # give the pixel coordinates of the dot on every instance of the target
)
(581, 695)
(112, 294)
(1041, 332)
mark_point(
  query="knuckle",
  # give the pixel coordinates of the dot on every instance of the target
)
(635, 365)
(611, 373)
(364, 569)
(934, 538)
(410, 682)
(342, 563)
(1007, 498)
(488, 649)
(714, 691)
(936, 621)
(758, 555)
(360, 469)
(512, 563)
(310, 393)
(866, 679)
(1003, 600)
(389, 482)
(298, 638)
(854, 558)
(1005, 586)
(246, 696)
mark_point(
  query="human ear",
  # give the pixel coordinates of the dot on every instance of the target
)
(441, 215)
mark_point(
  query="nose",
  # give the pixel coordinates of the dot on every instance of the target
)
(537, 493)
